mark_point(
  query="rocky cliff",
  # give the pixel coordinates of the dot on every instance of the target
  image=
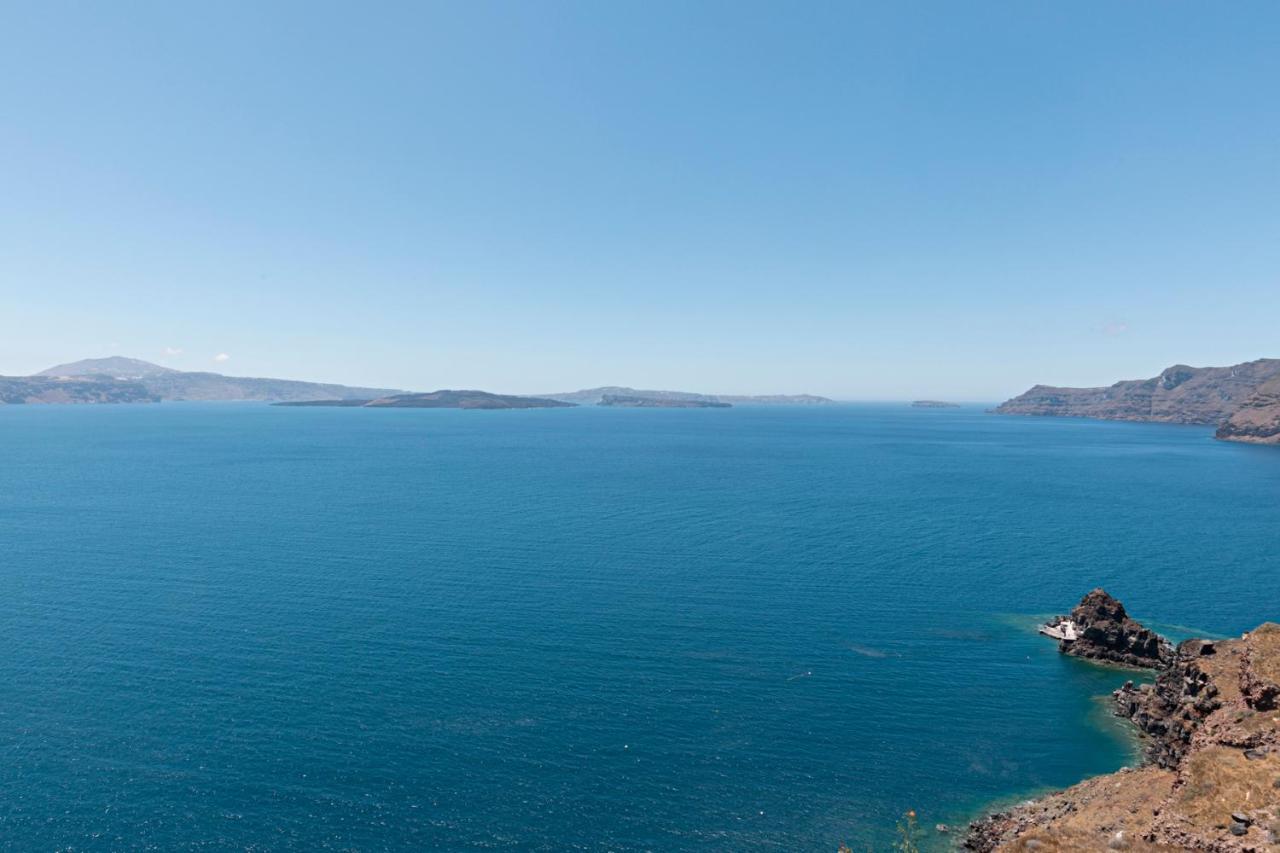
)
(1212, 781)
(1258, 419)
(1180, 394)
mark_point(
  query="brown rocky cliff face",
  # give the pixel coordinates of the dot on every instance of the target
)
(1171, 710)
(1212, 784)
(1258, 419)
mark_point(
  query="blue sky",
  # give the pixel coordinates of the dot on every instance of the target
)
(871, 200)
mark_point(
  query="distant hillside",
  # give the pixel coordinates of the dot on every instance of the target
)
(445, 399)
(214, 386)
(16, 390)
(594, 396)
(129, 380)
(1181, 394)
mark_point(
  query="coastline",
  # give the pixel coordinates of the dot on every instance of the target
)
(1209, 778)
(1129, 744)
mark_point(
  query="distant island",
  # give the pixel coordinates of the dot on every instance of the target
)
(130, 380)
(933, 404)
(444, 399)
(1243, 400)
(596, 396)
(623, 401)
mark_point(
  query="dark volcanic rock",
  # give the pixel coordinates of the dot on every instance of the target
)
(1105, 632)
(1171, 710)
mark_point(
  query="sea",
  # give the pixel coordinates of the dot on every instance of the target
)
(244, 627)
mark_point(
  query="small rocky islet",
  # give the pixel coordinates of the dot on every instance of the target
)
(1211, 721)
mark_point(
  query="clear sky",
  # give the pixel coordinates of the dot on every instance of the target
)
(870, 200)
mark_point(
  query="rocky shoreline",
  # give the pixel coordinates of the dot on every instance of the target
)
(1211, 780)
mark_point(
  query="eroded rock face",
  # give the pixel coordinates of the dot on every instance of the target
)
(1257, 421)
(1105, 632)
(1215, 764)
(1172, 710)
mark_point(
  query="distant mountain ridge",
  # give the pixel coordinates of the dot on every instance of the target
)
(129, 380)
(116, 366)
(595, 396)
(1243, 398)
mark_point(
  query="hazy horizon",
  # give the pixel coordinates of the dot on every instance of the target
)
(875, 202)
(221, 367)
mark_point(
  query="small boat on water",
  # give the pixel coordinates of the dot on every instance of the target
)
(1064, 630)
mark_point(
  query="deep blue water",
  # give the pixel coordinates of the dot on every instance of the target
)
(236, 626)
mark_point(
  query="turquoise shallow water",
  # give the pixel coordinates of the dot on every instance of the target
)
(236, 626)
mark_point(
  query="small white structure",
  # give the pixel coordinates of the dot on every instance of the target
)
(1064, 630)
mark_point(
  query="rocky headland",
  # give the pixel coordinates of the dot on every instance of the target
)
(1211, 780)
(1243, 398)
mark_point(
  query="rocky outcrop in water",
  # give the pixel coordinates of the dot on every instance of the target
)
(1212, 779)
(1104, 631)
